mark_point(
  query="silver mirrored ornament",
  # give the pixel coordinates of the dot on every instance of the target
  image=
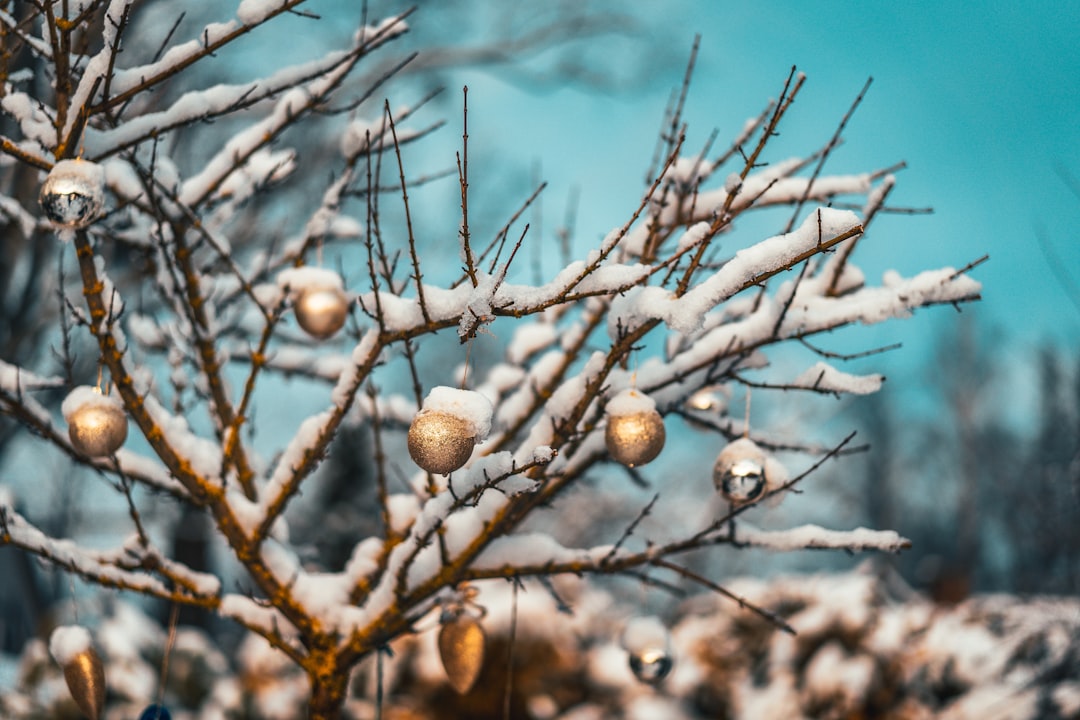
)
(648, 645)
(739, 472)
(73, 193)
(651, 665)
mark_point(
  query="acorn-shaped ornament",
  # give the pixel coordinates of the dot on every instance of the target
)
(461, 649)
(635, 431)
(97, 424)
(740, 472)
(71, 647)
(648, 645)
(448, 426)
(73, 193)
(318, 298)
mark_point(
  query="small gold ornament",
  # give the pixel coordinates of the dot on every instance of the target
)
(97, 424)
(85, 677)
(321, 312)
(73, 193)
(635, 430)
(461, 649)
(448, 426)
(72, 648)
(739, 473)
(440, 442)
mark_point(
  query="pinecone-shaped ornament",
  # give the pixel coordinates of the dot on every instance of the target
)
(71, 647)
(461, 649)
(635, 431)
(445, 431)
(73, 193)
(97, 423)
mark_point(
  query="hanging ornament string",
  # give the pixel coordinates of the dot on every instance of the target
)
(746, 418)
(510, 652)
(378, 684)
(174, 617)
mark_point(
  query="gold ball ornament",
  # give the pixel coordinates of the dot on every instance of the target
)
(461, 649)
(440, 442)
(635, 430)
(73, 193)
(97, 424)
(739, 473)
(321, 312)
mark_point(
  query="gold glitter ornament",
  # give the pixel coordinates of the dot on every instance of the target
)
(635, 430)
(321, 312)
(73, 193)
(85, 677)
(739, 473)
(461, 649)
(97, 424)
(440, 442)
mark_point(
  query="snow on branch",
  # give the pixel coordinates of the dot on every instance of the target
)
(813, 537)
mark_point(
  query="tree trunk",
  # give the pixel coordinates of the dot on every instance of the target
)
(328, 691)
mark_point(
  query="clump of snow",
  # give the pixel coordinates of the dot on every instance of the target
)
(300, 279)
(468, 405)
(69, 641)
(87, 396)
(630, 402)
(645, 633)
(826, 378)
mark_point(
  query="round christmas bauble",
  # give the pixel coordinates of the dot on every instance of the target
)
(739, 473)
(651, 665)
(440, 442)
(85, 677)
(461, 649)
(73, 193)
(635, 430)
(648, 645)
(97, 424)
(321, 312)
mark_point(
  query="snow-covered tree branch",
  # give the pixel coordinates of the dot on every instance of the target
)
(193, 324)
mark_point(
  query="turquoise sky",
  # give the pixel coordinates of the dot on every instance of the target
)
(980, 99)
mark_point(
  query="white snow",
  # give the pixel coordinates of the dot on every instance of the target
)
(825, 378)
(468, 405)
(87, 396)
(630, 402)
(69, 641)
(645, 633)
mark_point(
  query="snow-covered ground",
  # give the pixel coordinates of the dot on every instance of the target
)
(865, 647)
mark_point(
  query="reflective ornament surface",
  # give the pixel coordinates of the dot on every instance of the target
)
(321, 312)
(636, 438)
(85, 677)
(461, 649)
(98, 429)
(73, 193)
(440, 442)
(651, 665)
(739, 472)
(155, 712)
